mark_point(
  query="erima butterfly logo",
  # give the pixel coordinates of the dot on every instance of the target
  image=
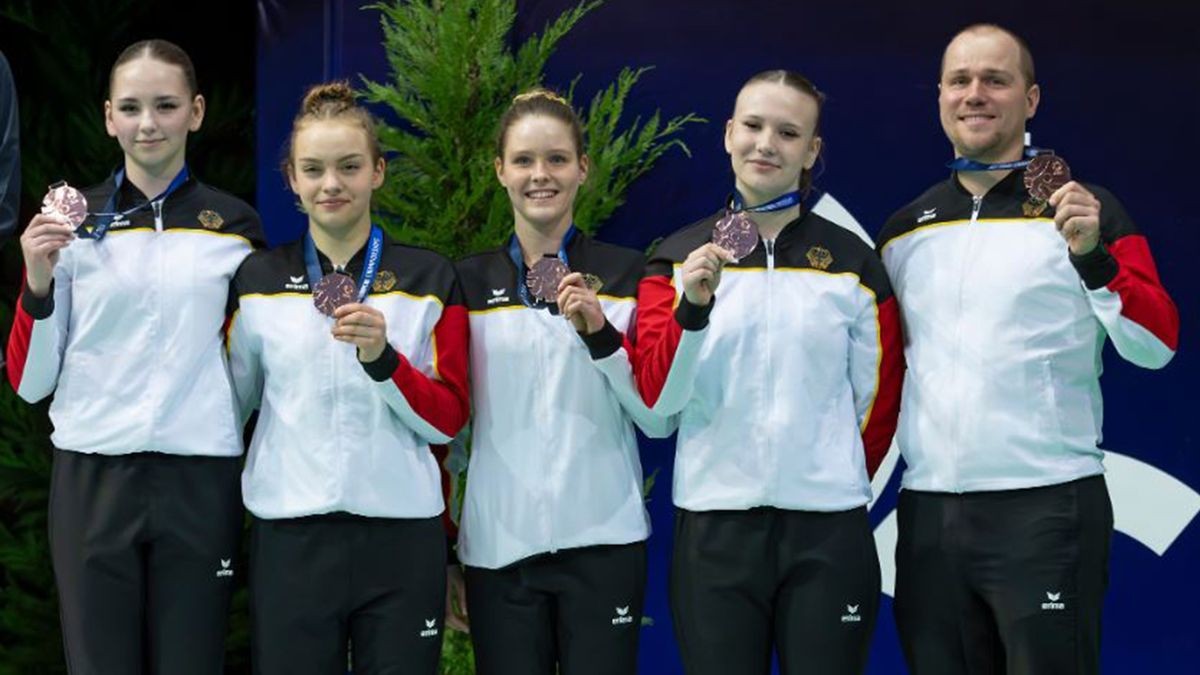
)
(225, 571)
(1054, 604)
(926, 215)
(851, 615)
(296, 283)
(622, 616)
(499, 296)
(430, 630)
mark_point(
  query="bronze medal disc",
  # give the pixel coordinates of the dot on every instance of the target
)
(66, 201)
(333, 291)
(543, 278)
(736, 233)
(1044, 175)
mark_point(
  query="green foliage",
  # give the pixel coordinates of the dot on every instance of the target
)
(453, 72)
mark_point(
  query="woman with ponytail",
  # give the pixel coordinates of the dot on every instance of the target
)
(786, 381)
(354, 349)
(120, 319)
(553, 525)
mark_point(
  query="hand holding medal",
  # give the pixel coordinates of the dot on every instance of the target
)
(545, 277)
(362, 326)
(578, 302)
(701, 273)
(48, 233)
(1076, 210)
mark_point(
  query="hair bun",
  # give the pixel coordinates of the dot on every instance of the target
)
(336, 95)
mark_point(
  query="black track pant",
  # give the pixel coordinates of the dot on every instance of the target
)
(144, 548)
(1003, 582)
(803, 583)
(336, 587)
(580, 609)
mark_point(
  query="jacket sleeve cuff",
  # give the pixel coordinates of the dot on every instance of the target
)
(381, 369)
(693, 317)
(38, 308)
(604, 342)
(1097, 268)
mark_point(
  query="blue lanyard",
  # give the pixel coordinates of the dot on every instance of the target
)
(784, 201)
(109, 215)
(964, 164)
(514, 252)
(370, 265)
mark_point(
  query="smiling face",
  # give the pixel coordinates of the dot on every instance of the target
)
(150, 111)
(771, 139)
(983, 97)
(541, 170)
(333, 175)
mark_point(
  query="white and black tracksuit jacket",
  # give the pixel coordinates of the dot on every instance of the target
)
(1004, 331)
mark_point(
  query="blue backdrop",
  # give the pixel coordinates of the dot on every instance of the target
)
(1119, 101)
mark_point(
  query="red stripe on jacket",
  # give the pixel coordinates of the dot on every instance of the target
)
(657, 336)
(17, 351)
(1143, 298)
(881, 427)
(443, 401)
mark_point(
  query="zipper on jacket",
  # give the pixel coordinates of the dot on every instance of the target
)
(158, 224)
(976, 207)
(770, 390)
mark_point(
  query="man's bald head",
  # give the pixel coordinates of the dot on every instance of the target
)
(1025, 56)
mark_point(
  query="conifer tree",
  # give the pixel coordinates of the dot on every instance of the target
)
(452, 73)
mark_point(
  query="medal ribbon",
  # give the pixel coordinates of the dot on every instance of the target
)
(964, 164)
(109, 215)
(514, 252)
(370, 265)
(784, 201)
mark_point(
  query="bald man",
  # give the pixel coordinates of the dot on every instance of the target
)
(1007, 295)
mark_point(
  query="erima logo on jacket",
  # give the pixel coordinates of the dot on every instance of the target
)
(430, 628)
(1054, 602)
(851, 615)
(622, 616)
(499, 296)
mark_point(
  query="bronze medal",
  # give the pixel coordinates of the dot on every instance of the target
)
(65, 201)
(736, 233)
(1044, 175)
(333, 291)
(544, 277)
